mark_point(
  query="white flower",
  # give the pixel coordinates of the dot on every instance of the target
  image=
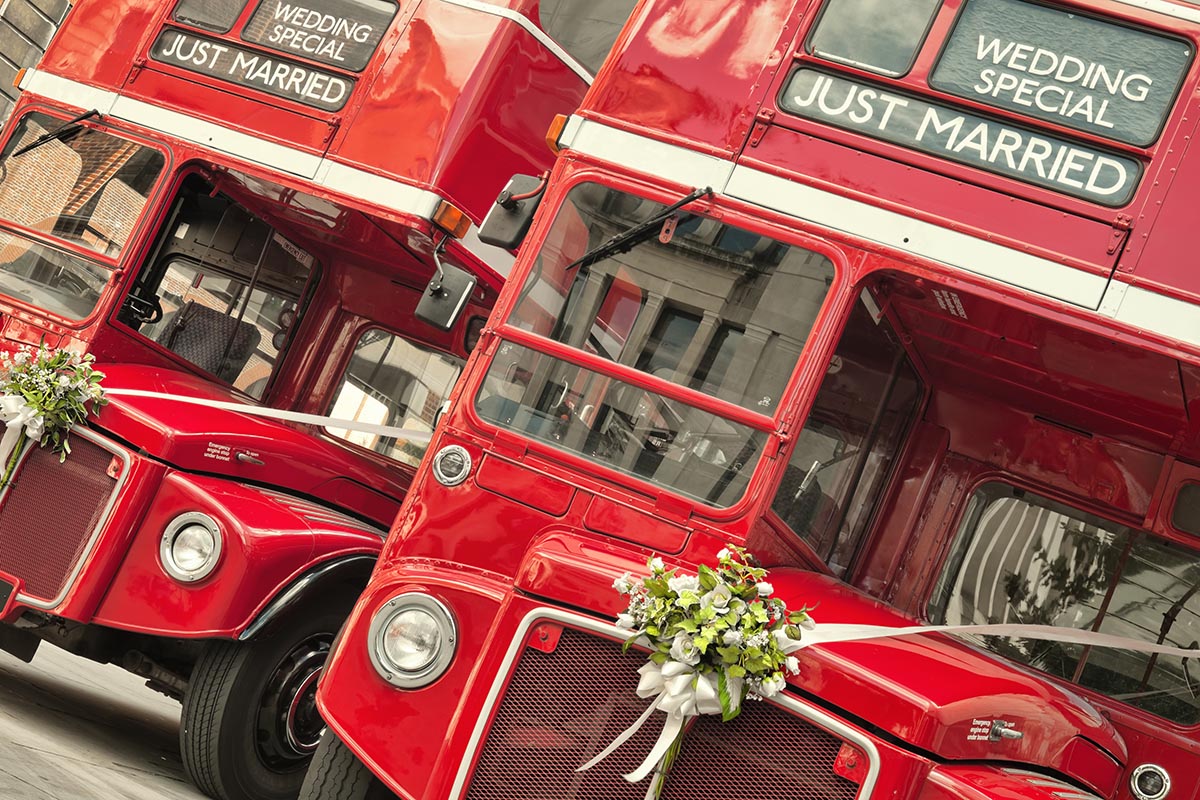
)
(683, 583)
(759, 639)
(626, 621)
(718, 598)
(808, 623)
(772, 686)
(733, 637)
(657, 564)
(683, 649)
(764, 589)
(723, 554)
(624, 584)
(792, 665)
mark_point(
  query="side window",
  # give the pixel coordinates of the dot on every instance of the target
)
(392, 381)
(213, 15)
(848, 443)
(877, 35)
(586, 29)
(223, 291)
(1020, 558)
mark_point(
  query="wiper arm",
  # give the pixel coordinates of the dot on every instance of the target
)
(61, 132)
(627, 240)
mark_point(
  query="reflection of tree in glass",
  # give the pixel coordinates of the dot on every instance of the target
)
(1074, 579)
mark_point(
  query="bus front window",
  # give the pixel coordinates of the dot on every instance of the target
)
(704, 304)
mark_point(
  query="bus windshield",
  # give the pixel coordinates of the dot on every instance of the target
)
(701, 303)
(75, 183)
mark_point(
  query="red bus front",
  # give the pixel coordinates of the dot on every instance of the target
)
(921, 386)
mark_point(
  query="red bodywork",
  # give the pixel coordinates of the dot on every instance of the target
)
(1033, 374)
(432, 118)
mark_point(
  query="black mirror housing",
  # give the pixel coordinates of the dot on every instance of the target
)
(510, 216)
(446, 296)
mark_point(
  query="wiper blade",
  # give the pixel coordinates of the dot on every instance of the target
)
(627, 240)
(61, 132)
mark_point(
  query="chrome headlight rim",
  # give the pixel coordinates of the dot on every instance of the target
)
(1153, 769)
(386, 614)
(166, 553)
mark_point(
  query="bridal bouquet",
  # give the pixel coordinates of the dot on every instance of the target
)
(43, 392)
(716, 638)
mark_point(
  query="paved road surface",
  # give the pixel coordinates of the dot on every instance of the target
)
(71, 729)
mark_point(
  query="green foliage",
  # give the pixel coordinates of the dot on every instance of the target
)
(722, 620)
(56, 387)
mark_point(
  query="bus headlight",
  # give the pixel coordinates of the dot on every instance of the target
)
(190, 547)
(412, 640)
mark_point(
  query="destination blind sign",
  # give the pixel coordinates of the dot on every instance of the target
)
(277, 76)
(340, 33)
(956, 135)
(1070, 69)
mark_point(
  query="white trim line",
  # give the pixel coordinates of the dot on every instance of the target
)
(793, 705)
(677, 164)
(336, 176)
(533, 30)
(889, 228)
(1152, 312)
(1167, 9)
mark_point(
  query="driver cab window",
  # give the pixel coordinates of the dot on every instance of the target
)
(846, 449)
(394, 382)
(223, 291)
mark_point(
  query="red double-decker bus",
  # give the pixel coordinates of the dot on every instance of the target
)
(260, 218)
(898, 297)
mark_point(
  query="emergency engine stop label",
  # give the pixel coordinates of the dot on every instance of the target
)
(957, 135)
(255, 70)
(1065, 68)
(340, 33)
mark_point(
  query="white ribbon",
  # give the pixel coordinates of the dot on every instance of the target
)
(681, 692)
(17, 415)
(417, 437)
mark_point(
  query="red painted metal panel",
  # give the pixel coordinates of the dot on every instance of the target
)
(524, 485)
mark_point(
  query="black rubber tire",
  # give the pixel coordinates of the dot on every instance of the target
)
(219, 733)
(336, 774)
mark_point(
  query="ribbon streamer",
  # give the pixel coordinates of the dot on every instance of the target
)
(18, 417)
(681, 692)
(417, 437)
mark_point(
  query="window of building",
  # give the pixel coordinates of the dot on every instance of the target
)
(1021, 558)
(394, 382)
(881, 36)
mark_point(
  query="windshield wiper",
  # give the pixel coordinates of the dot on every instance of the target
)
(61, 132)
(627, 240)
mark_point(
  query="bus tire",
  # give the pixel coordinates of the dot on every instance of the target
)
(337, 774)
(250, 726)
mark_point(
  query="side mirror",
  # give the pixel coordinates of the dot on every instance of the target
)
(446, 296)
(508, 220)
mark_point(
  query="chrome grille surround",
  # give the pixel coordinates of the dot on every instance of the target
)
(90, 537)
(805, 712)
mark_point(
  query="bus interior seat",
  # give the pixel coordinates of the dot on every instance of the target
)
(202, 335)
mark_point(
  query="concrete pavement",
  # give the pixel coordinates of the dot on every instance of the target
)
(71, 729)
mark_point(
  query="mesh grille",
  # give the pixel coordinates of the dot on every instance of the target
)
(49, 514)
(562, 708)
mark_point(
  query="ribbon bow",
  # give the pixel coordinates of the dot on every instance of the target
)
(22, 421)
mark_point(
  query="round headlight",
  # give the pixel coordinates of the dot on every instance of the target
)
(412, 640)
(1150, 782)
(190, 547)
(451, 465)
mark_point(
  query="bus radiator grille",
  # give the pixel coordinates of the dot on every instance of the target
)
(561, 708)
(49, 513)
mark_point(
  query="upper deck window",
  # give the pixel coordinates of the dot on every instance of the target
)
(1020, 558)
(1054, 65)
(212, 15)
(392, 381)
(877, 35)
(586, 29)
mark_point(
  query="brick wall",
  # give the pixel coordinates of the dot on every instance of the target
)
(25, 28)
